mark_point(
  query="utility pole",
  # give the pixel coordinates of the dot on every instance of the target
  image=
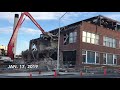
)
(58, 51)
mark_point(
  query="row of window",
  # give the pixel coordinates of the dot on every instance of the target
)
(94, 39)
(92, 57)
(90, 38)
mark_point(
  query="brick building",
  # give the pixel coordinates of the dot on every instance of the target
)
(91, 42)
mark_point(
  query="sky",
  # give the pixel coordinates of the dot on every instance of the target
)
(47, 20)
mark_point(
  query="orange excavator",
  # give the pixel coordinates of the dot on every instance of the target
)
(11, 43)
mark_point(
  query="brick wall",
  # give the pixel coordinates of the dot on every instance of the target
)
(79, 45)
(102, 32)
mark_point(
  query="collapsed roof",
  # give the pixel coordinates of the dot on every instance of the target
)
(97, 20)
(105, 22)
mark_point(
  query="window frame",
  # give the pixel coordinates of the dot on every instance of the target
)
(73, 37)
(85, 56)
(113, 55)
(89, 37)
(109, 42)
(86, 61)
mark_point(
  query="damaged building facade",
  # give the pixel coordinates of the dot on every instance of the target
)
(91, 42)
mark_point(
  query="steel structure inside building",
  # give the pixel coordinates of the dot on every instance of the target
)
(91, 42)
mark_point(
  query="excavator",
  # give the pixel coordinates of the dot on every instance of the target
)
(11, 43)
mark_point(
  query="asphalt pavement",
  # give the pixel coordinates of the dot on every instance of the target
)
(52, 75)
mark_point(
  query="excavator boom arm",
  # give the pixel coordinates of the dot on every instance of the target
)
(14, 35)
(34, 21)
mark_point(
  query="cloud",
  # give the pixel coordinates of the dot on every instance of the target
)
(31, 31)
(43, 15)
(72, 17)
(36, 15)
(114, 16)
(23, 30)
(69, 17)
(46, 15)
(8, 16)
(6, 30)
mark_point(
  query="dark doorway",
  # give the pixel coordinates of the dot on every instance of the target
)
(69, 58)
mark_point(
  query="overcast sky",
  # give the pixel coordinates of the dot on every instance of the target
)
(47, 20)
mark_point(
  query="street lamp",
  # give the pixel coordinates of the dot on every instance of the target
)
(58, 51)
